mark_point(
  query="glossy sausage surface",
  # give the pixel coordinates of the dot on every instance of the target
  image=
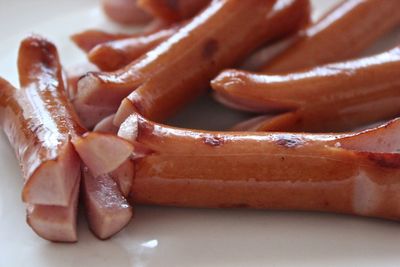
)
(310, 172)
(113, 55)
(342, 34)
(166, 79)
(39, 123)
(89, 39)
(334, 97)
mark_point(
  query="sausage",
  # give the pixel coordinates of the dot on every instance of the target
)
(106, 126)
(113, 55)
(72, 75)
(89, 39)
(165, 78)
(340, 35)
(125, 12)
(334, 97)
(102, 153)
(150, 99)
(312, 172)
(123, 175)
(39, 123)
(55, 223)
(175, 10)
(107, 210)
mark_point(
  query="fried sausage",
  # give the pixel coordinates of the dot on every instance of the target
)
(39, 123)
(340, 35)
(113, 55)
(334, 97)
(89, 39)
(328, 173)
(166, 79)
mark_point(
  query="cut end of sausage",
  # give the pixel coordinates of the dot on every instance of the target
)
(53, 182)
(102, 153)
(55, 223)
(106, 125)
(124, 111)
(123, 176)
(108, 212)
(91, 115)
(129, 128)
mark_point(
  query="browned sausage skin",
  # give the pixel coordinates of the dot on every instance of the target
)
(89, 39)
(39, 123)
(105, 91)
(330, 173)
(175, 10)
(334, 97)
(113, 55)
(340, 35)
(158, 103)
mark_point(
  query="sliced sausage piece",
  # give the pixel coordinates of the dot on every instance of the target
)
(55, 223)
(265, 170)
(173, 10)
(334, 97)
(102, 153)
(106, 126)
(124, 174)
(39, 123)
(343, 33)
(107, 210)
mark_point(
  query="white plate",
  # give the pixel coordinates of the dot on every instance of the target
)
(167, 236)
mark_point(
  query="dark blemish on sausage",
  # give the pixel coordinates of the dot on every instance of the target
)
(289, 143)
(391, 161)
(213, 140)
(172, 4)
(210, 48)
(326, 203)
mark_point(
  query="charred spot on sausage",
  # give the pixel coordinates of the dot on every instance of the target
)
(210, 48)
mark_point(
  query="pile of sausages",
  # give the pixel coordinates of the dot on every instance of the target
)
(98, 135)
